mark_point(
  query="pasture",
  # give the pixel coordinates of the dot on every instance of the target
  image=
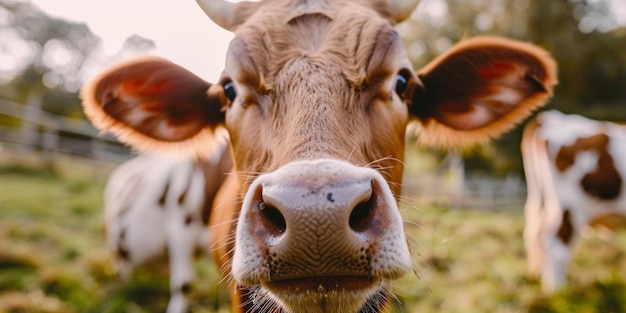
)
(53, 259)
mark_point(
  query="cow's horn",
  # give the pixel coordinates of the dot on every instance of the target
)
(220, 11)
(402, 9)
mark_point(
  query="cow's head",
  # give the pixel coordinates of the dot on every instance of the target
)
(316, 96)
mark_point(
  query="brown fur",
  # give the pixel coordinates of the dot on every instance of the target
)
(534, 65)
(212, 185)
(316, 80)
(566, 231)
(163, 197)
(605, 182)
(104, 99)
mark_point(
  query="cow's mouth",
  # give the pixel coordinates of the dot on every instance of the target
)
(328, 294)
(323, 284)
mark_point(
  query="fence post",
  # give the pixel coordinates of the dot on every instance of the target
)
(456, 171)
(50, 142)
(30, 122)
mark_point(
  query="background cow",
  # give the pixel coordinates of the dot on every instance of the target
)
(316, 96)
(158, 206)
(575, 169)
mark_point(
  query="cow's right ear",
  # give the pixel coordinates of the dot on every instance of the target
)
(155, 105)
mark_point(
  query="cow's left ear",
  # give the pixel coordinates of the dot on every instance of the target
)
(155, 105)
(479, 89)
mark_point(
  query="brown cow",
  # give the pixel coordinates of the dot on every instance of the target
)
(316, 97)
(575, 170)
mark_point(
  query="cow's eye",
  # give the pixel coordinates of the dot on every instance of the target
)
(229, 90)
(401, 83)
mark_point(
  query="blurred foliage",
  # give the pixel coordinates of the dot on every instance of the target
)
(49, 56)
(41, 53)
(582, 35)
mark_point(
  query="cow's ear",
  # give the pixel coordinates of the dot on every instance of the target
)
(479, 89)
(155, 105)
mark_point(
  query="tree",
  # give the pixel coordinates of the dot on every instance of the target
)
(46, 57)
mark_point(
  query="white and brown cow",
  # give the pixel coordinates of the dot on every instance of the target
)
(575, 173)
(316, 97)
(157, 206)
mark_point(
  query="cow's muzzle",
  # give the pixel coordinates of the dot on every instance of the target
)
(322, 227)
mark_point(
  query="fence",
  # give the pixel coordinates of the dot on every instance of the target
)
(52, 137)
(474, 191)
(31, 133)
(451, 185)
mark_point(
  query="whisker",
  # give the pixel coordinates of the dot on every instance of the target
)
(260, 300)
(223, 243)
(387, 158)
(226, 222)
(250, 173)
(351, 152)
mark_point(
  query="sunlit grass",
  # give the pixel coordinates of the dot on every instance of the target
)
(52, 259)
(474, 261)
(52, 254)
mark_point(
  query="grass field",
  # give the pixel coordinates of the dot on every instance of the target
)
(52, 259)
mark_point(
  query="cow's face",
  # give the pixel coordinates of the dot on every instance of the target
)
(316, 97)
(315, 105)
(315, 86)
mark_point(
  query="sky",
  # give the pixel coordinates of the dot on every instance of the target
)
(166, 22)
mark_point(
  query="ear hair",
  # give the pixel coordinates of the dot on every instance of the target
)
(434, 133)
(201, 145)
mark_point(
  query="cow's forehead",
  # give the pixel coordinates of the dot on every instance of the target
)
(355, 39)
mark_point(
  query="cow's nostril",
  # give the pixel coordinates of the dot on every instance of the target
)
(272, 218)
(361, 215)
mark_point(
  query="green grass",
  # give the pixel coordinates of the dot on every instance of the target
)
(474, 261)
(52, 254)
(52, 259)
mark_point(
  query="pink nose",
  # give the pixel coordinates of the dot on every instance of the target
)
(321, 219)
(317, 230)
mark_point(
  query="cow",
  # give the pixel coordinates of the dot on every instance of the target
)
(157, 206)
(575, 174)
(316, 97)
